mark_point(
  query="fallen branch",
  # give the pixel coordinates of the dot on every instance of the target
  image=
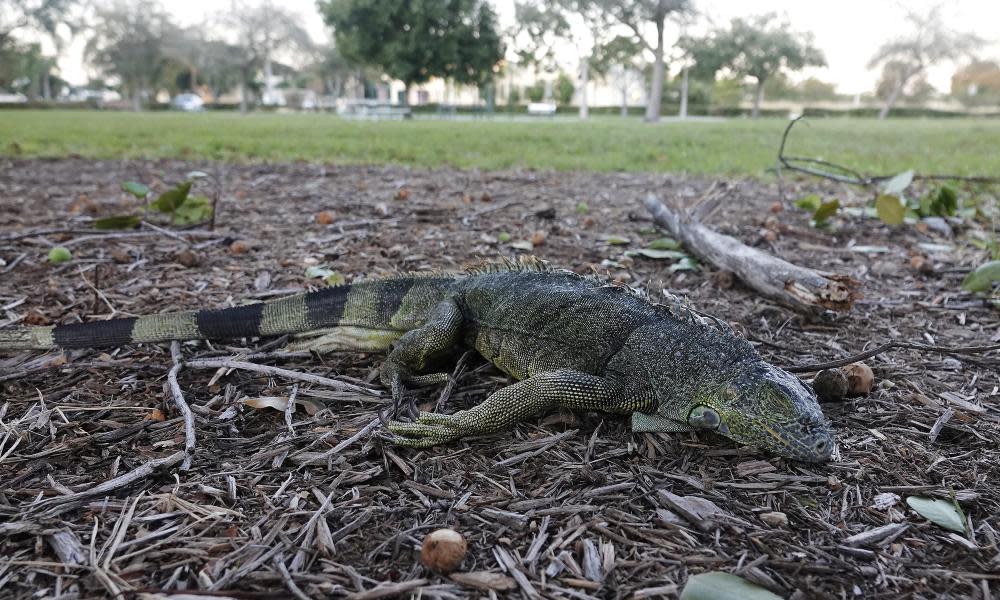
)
(802, 289)
(843, 174)
(182, 405)
(213, 363)
(841, 362)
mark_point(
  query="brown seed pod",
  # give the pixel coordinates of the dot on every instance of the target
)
(324, 217)
(859, 379)
(830, 385)
(443, 550)
(239, 247)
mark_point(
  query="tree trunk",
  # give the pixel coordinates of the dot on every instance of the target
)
(243, 90)
(891, 100)
(656, 86)
(136, 100)
(757, 98)
(683, 112)
(624, 93)
(268, 76)
(584, 80)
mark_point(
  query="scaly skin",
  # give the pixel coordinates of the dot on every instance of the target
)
(571, 341)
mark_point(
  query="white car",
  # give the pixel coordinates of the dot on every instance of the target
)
(188, 102)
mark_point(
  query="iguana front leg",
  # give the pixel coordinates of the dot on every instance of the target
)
(415, 350)
(567, 388)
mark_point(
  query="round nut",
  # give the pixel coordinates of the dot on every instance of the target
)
(859, 379)
(443, 550)
(239, 247)
(830, 385)
(324, 217)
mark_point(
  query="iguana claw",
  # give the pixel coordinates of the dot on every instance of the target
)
(428, 430)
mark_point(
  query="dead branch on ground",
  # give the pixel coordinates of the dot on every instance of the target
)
(802, 289)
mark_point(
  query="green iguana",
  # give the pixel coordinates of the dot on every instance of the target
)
(571, 341)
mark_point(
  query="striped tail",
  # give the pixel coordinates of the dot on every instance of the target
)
(367, 315)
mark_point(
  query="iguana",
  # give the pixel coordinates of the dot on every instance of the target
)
(572, 341)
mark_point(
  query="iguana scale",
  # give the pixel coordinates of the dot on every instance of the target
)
(571, 341)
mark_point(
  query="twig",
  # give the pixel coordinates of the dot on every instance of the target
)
(296, 591)
(213, 363)
(290, 409)
(851, 176)
(889, 346)
(60, 504)
(339, 447)
(182, 405)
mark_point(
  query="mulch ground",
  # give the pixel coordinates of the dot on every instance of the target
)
(94, 500)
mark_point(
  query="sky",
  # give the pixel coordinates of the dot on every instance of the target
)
(848, 31)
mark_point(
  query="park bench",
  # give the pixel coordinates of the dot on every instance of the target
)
(542, 109)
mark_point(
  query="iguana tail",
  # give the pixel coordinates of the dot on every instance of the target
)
(367, 315)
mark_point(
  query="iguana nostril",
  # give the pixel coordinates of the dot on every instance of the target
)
(821, 446)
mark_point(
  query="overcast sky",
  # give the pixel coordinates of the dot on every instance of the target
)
(848, 31)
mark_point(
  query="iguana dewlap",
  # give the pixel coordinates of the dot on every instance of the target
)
(571, 341)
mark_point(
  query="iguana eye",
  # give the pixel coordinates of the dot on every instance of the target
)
(704, 417)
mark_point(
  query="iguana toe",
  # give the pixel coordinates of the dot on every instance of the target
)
(428, 430)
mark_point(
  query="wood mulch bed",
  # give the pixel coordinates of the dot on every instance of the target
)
(94, 500)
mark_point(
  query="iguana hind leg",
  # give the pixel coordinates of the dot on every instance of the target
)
(512, 404)
(417, 349)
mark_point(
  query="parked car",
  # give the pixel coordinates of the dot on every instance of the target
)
(188, 102)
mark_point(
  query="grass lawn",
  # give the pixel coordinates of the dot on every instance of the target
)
(733, 147)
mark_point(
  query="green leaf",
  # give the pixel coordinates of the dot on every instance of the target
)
(825, 211)
(717, 585)
(196, 209)
(138, 190)
(664, 243)
(944, 203)
(983, 278)
(685, 264)
(811, 202)
(117, 222)
(170, 200)
(656, 254)
(616, 240)
(897, 184)
(940, 512)
(59, 255)
(890, 209)
(503, 237)
(582, 208)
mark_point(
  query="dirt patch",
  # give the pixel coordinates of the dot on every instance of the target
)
(569, 504)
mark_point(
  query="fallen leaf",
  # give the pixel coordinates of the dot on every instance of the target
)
(717, 585)
(938, 511)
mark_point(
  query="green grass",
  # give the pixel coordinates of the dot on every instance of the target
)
(734, 147)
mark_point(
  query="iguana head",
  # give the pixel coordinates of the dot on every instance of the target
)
(756, 404)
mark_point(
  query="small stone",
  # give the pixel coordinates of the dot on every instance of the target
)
(120, 256)
(324, 217)
(538, 238)
(770, 235)
(382, 209)
(777, 207)
(403, 194)
(188, 258)
(239, 247)
(831, 385)
(775, 519)
(443, 550)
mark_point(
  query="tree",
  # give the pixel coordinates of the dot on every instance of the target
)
(637, 15)
(41, 15)
(540, 27)
(618, 58)
(916, 90)
(564, 89)
(414, 41)
(757, 48)
(928, 43)
(259, 32)
(977, 83)
(127, 43)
